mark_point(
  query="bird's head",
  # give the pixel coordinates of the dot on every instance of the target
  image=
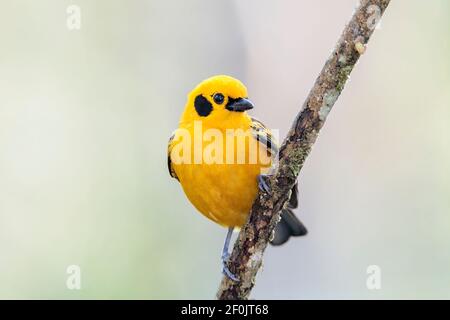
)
(217, 100)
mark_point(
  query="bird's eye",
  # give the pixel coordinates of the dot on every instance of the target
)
(218, 98)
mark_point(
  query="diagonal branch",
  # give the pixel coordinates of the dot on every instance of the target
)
(248, 250)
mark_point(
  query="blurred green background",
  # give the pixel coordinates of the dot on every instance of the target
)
(85, 116)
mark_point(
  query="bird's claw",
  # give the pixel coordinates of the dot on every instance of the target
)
(225, 270)
(262, 184)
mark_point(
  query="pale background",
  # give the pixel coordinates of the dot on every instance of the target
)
(85, 117)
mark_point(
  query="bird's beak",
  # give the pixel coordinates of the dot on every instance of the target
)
(239, 104)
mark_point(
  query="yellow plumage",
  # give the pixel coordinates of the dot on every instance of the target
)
(223, 192)
(218, 152)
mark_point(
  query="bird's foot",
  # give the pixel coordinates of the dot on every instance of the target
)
(262, 183)
(225, 270)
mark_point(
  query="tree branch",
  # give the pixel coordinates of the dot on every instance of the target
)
(246, 258)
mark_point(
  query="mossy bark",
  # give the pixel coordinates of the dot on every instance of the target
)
(246, 258)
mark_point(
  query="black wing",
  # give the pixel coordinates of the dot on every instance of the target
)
(264, 136)
(169, 161)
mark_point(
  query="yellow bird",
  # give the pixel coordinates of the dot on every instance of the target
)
(220, 155)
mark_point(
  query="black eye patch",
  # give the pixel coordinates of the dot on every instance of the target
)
(202, 106)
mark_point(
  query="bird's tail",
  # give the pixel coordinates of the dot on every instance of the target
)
(289, 225)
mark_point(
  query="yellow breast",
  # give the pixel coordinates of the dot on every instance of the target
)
(219, 173)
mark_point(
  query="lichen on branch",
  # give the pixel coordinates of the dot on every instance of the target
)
(247, 255)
